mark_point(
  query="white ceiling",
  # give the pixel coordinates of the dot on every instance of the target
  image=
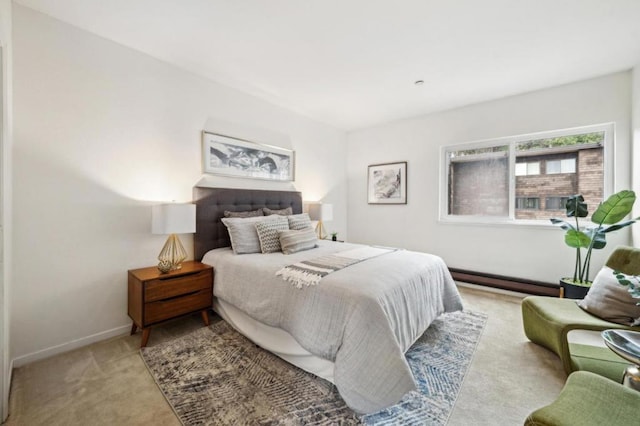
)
(353, 63)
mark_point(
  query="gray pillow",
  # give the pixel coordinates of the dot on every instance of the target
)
(299, 221)
(243, 234)
(250, 213)
(610, 300)
(293, 241)
(268, 233)
(282, 212)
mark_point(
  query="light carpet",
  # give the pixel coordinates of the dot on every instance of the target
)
(216, 376)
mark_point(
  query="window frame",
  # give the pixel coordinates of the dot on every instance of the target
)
(445, 217)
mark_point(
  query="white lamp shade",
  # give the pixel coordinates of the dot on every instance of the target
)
(173, 219)
(320, 211)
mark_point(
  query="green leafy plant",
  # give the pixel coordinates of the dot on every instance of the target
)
(605, 219)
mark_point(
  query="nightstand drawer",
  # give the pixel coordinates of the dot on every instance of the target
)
(173, 307)
(160, 289)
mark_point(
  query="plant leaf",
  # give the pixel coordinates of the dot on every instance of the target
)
(619, 226)
(598, 237)
(576, 207)
(576, 239)
(563, 224)
(614, 208)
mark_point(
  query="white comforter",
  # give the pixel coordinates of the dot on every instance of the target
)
(363, 317)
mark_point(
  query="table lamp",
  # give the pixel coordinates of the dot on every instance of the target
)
(321, 212)
(173, 219)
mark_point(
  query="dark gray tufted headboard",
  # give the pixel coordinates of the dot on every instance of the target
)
(212, 202)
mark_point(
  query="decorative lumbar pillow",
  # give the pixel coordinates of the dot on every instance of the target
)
(610, 300)
(243, 234)
(250, 213)
(299, 221)
(268, 233)
(282, 212)
(293, 240)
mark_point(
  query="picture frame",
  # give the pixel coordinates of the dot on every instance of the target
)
(229, 156)
(387, 183)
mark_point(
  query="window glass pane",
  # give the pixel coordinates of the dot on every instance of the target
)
(533, 168)
(521, 169)
(527, 203)
(556, 203)
(596, 138)
(573, 164)
(553, 166)
(479, 181)
(568, 165)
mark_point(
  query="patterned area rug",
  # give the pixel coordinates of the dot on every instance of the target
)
(215, 376)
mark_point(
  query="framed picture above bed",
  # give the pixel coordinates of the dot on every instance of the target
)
(387, 183)
(229, 156)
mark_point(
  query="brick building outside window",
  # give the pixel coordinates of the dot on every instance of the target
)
(526, 177)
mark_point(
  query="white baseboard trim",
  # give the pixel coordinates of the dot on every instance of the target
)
(66, 347)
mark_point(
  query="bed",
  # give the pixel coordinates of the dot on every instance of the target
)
(352, 329)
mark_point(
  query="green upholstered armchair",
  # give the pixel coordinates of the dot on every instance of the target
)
(588, 399)
(547, 321)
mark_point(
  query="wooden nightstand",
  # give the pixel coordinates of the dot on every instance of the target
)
(155, 297)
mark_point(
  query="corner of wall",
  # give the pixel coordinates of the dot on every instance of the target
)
(635, 146)
(5, 203)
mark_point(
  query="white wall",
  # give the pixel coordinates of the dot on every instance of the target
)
(635, 129)
(5, 206)
(508, 250)
(101, 133)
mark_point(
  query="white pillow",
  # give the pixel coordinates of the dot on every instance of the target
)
(299, 221)
(293, 241)
(268, 233)
(243, 234)
(610, 300)
(282, 212)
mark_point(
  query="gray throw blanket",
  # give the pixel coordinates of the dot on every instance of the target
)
(310, 272)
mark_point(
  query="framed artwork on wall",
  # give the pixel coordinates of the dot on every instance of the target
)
(229, 156)
(387, 183)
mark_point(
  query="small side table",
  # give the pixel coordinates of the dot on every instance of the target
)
(626, 343)
(155, 297)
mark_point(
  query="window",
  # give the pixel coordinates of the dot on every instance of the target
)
(561, 166)
(528, 169)
(555, 203)
(525, 177)
(530, 203)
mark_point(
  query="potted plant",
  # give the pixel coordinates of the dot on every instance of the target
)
(605, 219)
(334, 236)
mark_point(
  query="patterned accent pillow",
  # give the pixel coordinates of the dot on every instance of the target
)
(250, 213)
(293, 241)
(282, 212)
(299, 221)
(243, 234)
(268, 233)
(610, 300)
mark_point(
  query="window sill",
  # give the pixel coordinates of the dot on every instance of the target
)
(484, 221)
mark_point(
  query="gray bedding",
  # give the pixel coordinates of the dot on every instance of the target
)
(363, 317)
